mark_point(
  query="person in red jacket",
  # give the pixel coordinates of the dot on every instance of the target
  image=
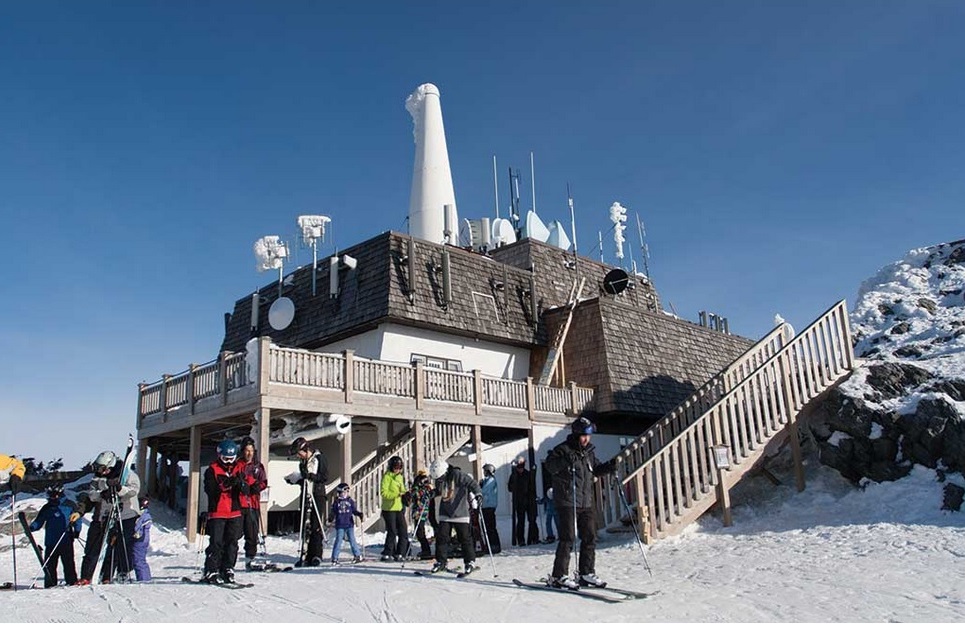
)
(222, 484)
(254, 481)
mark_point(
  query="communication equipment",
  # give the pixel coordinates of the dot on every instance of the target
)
(616, 281)
(281, 313)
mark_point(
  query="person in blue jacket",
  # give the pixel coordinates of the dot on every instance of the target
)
(490, 500)
(142, 542)
(59, 536)
(342, 515)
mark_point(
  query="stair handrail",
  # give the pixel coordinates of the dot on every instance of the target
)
(787, 348)
(654, 438)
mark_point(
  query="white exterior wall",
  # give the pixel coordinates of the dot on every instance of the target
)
(397, 343)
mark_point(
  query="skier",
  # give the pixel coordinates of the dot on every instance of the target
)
(457, 493)
(58, 537)
(12, 471)
(572, 465)
(142, 542)
(254, 480)
(342, 515)
(396, 534)
(222, 484)
(422, 511)
(490, 500)
(107, 495)
(524, 498)
(312, 472)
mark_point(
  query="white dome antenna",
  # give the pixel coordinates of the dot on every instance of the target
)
(313, 234)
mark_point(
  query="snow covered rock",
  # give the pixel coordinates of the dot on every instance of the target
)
(906, 406)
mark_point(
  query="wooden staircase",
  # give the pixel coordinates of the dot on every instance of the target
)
(439, 440)
(669, 473)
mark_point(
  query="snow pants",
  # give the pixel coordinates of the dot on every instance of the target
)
(63, 553)
(463, 535)
(586, 528)
(222, 551)
(489, 517)
(251, 522)
(142, 571)
(396, 534)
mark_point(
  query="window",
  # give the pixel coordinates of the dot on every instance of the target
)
(437, 362)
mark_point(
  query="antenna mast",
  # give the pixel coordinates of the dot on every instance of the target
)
(532, 176)
(569, 201)
(313, 232)
(495, 186)
(644, 248)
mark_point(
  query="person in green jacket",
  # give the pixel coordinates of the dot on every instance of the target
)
(396, 534)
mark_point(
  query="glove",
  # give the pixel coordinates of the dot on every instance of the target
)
(16, 482)
(108, 494)
(137, 535)
(74, 517)
(358, 513)
(76, 533)
(114, 483)
(474, 501)
(245, 488)
(293, 478)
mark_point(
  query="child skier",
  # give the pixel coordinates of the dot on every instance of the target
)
(142, 542)
(222, 484)
(58, 537)
(343, 514)
(422, 511)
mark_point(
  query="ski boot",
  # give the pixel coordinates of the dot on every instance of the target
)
(591, 580)
(563, 582)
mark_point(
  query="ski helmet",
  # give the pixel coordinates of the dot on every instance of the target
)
(489, 469)
(438, 469)
(582, 426)
(343, 488)
(246, 442)
(228, 451)
(55, 491)
(395, 462)
(300, 444)
(104, 462)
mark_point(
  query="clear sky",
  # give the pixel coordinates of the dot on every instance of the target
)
(778, 152)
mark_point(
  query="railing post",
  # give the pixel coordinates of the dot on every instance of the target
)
(164, 397)
(477, 448)
(151, 469)
(223, 376)
(530, 398)
(194, 482)
(420, 385)
(190, 387)
(477, 393)
(263, 422)
(140, 403)
(348, 375)
(419, 434)
(573, 399)
(264, 364)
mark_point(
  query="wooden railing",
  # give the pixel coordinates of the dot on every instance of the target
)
(329, 371)
(674, 484)
(173, 392)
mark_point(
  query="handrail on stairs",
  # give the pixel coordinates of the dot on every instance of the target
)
(671, 483)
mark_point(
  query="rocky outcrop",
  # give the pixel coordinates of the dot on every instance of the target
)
(906, 406)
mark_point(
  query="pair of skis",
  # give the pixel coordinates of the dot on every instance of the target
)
(113, 517)
(232, 585)
(458, 573)
(603, 593)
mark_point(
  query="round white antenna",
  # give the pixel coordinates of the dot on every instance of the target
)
(281, 313)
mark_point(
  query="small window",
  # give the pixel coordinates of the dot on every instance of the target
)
(454, 365)
(436, 362)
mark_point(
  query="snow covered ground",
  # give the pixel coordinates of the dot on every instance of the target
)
(831, 553)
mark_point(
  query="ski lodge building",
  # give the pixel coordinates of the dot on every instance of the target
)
(413, 345)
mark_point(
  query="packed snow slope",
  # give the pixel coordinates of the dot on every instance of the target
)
(831, 553)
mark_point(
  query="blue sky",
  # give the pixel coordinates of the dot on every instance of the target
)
(779, 154)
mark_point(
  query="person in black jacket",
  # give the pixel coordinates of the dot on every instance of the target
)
(573, 467)
(523, 493)
(313, 473)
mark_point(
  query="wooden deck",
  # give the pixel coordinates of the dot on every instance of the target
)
(281, 378)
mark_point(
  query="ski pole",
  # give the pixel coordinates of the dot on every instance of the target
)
(43, 566)
(415, 529)
(13, 536)
(301, 528)
(120, 526)
(576, 556)
(200, 543)
(485, 534)
(633, 524)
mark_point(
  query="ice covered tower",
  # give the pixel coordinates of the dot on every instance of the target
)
(431, 178)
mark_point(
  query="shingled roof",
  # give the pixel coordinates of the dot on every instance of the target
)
(641, 363)
(491, 295)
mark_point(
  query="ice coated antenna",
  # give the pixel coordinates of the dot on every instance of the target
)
(271, 252)
(313, 233)
(644, 248)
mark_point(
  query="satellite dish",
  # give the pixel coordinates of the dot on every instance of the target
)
(466, 235)
(281, 313)
(503, 232)
(557, 236)
(535, 228)
(614, 282)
